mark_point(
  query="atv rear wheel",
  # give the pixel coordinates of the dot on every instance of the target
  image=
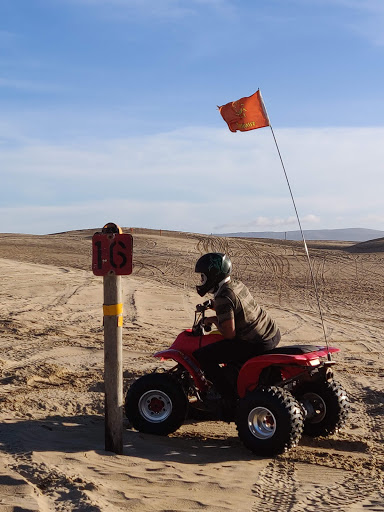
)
(269, 421)
(156, 404)
(327, 408)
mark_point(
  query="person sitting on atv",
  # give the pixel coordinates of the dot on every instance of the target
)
(247, 328)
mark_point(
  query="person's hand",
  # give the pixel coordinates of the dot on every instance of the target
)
(208, 321)
(209, 304)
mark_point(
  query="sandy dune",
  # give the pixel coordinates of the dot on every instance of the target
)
(52, 454)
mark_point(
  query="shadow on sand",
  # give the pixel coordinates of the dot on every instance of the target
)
(86, 433)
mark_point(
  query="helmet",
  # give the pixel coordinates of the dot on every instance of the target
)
(213, 267)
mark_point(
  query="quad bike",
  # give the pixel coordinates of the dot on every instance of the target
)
(281, 394)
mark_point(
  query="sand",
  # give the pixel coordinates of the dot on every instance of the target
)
(52, 455)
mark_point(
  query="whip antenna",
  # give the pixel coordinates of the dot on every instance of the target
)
(304, 242)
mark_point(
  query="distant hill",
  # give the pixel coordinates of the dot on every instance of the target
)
(346, 235)
(376, 245)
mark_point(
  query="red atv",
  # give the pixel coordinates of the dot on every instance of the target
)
(281, 394)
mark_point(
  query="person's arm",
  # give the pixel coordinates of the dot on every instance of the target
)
(226, 328)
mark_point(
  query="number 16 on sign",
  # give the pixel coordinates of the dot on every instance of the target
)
(112, 254)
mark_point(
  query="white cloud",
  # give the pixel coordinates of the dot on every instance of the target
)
(260, 222)
(196, 179)
(370, 18)
(268, 224)
(363, 17)
(176, 215)
(373, 220)
(29, 86)
(179, 215)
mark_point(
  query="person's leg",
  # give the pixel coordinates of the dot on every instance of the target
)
(269, 344)
(229, 351)
(247, 349)
(210, 357)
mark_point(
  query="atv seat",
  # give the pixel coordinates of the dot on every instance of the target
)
(294, 350)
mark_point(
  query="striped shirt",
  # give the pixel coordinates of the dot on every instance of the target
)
(252, 322)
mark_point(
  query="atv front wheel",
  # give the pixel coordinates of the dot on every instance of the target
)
(156, 404)
(269, 421)
(327, 406)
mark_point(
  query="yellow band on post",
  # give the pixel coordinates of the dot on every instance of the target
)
(113, 310)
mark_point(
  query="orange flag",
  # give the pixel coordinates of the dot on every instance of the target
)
(246, 113)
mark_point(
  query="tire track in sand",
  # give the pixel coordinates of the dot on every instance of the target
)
(281, 489)
(276, 488)
(330, 479)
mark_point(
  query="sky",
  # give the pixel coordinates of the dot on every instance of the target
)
(108, 113)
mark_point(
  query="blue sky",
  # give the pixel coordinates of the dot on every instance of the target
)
(108, 112)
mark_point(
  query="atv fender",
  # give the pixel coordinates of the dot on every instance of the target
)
(289, 365)
(189, 364)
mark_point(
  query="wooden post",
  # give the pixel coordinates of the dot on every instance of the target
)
(113, 355)
(112, 258)
(113, 364)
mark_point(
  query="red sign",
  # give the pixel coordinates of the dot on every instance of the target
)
(112, 254)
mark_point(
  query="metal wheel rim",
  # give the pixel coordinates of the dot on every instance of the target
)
(262, 423)
(315, 407)
(155, 406)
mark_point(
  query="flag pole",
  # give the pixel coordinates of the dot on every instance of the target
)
(304, 241)
(253, 118)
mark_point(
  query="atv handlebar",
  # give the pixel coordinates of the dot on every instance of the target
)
(200, 308)
(199, 328)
